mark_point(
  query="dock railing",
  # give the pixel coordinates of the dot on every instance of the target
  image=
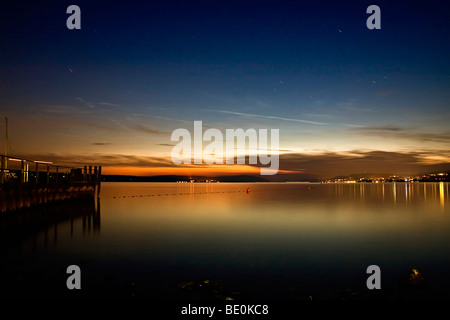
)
(22, 179)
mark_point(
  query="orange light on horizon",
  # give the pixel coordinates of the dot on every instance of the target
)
(212, 170)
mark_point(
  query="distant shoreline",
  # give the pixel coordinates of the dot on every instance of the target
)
(353, 178)
(137, 179)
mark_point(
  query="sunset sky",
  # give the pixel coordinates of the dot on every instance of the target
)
(346, 99)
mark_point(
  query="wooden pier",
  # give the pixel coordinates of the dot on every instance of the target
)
(28, 183)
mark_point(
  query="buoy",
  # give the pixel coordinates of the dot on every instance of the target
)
(248, 190)
(309, 188)
(415, 278)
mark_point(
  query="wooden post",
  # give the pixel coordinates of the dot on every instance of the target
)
(95, 175)
(22, 172)
(48, 174)
(99, 180)
(2, 177)
(97, 217)
(57, 174)
(5, 158)
(27, 168)
(37, 173)
(84, 173)
(90, 174)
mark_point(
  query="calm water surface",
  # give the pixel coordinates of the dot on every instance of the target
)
(278, 241)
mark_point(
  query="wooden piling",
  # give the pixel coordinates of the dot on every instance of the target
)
(22, 172)
(3, 172)
(37, 173)
(99, 180)
(48, 174)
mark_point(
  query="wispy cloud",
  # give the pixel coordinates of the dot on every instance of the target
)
(383, 128)
(100, 103)
(64, 110)
(130, 127)
(252, 115)
(166, 144)
(393, 131)
(119, 124)
(160, 117)
(90, 105)
(101, 143)
(116, 160)
(147, 129)
(109, 104)
(359, 161)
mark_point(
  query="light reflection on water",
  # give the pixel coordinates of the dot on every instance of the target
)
(276, 241)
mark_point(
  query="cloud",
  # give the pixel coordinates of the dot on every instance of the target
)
(116, 160)
(397, 132)
(388, 128)
(328, 164)
(251, 115)
(148, 130)
(166, 144)
(270, 117)
(292, 165)
(159, 117)
(134, 161)
(90, 105)
(119, 124)
(101, 143)
(109, 104)
(62, 110)
(94, 104)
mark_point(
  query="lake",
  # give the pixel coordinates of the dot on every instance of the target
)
(216, 240)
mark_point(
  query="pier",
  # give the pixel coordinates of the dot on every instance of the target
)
(28, 183)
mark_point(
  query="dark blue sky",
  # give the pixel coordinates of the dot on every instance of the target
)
(139, 69)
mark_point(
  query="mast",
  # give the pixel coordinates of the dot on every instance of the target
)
(6, 140)
(4, 163)
(6, 143)
(6, 136)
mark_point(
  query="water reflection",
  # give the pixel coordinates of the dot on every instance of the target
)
(283, 231)
(47, 224)
(317, 238)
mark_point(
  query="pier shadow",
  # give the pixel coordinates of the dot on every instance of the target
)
(26, 223)
(25, 237)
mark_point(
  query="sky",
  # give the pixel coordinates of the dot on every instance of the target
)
(346, 99)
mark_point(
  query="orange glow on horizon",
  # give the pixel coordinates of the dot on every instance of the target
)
(212, 170)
